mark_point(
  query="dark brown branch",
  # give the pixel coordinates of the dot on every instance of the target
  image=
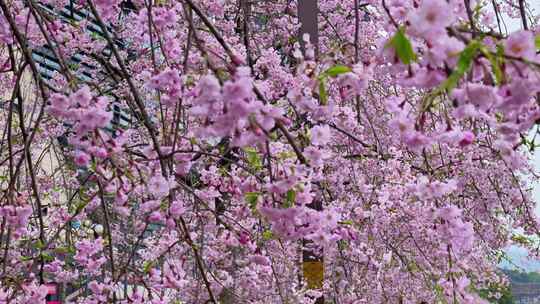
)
(523, 14)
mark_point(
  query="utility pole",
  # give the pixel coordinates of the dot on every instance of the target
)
(312, 262)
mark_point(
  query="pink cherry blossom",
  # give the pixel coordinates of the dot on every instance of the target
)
(81, 159)
(521, 44)
(212, 151)
(430, 19)
(320, 135)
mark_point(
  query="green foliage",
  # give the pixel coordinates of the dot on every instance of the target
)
(496, 63)
(505, 291)
(464, 64)
(267, 235)
(331, 72)
(79, 206)
(252, 198)
(73, 66)
(323, 95)
(337, 70)
(40, 245)
(65, 250)
(506, 297)
(46, 256)
(25, 258)
(253, 158)
(147, 266)
(290, 199)
(522, 277)
(402, 46)
(522, 239)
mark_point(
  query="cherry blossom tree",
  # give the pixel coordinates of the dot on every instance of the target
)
(162, 151)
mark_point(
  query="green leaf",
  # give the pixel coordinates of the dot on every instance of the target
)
(285, 155)
(290, 199)
(25, 258)
(253, 158)
(147, 266)
(323, 96)
(40, 245)
(537, 42)
(80, 206)
(73, 66)
(267, 235)
(252, 198)
(463, 65)
(402, 46)
(47, 257)
(63, 250)
(337, 70)
(495, 65)
(521, 239)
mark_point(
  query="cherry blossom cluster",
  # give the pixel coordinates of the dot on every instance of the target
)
(390, 152)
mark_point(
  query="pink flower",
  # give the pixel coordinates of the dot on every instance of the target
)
(98, 152)
(243, 238)
(183, 164)
(467, 138)
(59, 106)
(445, 49)
(521, 44)
(517, 94)
(121, 197)
(465, 111)
(158, 186)
(431, 18)
(401, 123)
(177, 209)
(457, 137)
(237, 90)
(166, 80)
(424, 78)
(356, 81)
(5, 32)
(269, 114)
(155, 217)
(449, 213)
(315, 156)
(122, 211)
(86, 249)
(35, 293)
(97, 288)
(59, 101)
(320, 135)
(150, 206)
(482, 96)
(54, 266)
(208, 94)
(82, 97)
(416, 140)
(93, 265)
(81, 159)
(462, 283)
(93, 118)
(259, 259)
